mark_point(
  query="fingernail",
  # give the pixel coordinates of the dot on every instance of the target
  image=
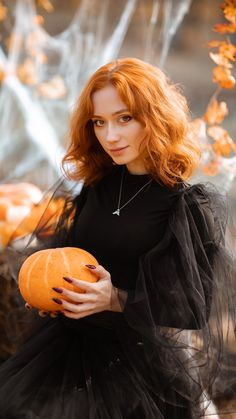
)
(56, 300)
(59, 290)
(27, 306)
(43, 313)
(67, 279)
(91, 266)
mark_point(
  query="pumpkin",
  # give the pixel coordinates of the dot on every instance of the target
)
(13, 213)
(22, 190)
(44, 215)
(45, 269)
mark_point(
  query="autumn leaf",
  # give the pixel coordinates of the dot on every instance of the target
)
(225, 27)
(223, 77)
(212, 168)
(198, 127)
(53, 89)
(229, 10)
(3, 12)
(228, 51)
(216, 112)
(215, 44)
(27, 72)
(217, 132)
(223, 142)
(220, 60)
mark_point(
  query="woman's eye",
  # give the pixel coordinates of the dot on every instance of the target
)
(125, 118)
(98, 122)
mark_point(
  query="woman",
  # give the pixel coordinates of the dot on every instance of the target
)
(126, 347)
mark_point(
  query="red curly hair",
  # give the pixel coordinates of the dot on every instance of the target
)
(169, 153)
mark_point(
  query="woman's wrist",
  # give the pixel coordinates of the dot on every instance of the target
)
(118, 299)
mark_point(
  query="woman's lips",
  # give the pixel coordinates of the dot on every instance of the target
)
(118, 150)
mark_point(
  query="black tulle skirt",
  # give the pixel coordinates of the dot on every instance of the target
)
(74, 369)
(156, 360)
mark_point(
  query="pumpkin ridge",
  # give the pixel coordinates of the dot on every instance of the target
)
(65, 259)
(28, 278)
(46, 268)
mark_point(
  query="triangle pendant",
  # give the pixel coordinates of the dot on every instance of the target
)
(117, 212)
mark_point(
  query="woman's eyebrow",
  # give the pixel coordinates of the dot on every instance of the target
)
(114, 113)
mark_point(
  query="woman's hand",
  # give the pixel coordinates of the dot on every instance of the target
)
(99, 296)
(42, 313)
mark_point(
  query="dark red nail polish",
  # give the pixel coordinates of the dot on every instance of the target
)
(67, 279)
(56, 300)
(91, 266)
(59, 290)
(27, 306)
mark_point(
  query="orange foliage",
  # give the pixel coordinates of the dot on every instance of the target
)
(228, 51)
(212, 168)
(223, 77)
(52, 89)
(229, 10)
(225, 27)
(216, 111)
(27, 72)
(223, 144)
(220, 60)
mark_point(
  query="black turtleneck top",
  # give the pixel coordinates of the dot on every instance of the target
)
(117, 242)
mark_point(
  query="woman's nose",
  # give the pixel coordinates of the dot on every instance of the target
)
(112, 134)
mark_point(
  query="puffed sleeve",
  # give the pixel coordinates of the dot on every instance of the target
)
(188, 276)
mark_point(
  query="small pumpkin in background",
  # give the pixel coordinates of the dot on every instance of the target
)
(43, 216)
(22, 190)
(45, 269)
(16, 203)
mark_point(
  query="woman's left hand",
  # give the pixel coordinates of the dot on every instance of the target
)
(98, 296)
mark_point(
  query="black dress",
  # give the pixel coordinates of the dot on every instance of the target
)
(155, 359)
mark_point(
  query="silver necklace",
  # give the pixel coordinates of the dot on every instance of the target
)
(119, 208)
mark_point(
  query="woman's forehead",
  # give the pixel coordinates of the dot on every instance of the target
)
(107, 101)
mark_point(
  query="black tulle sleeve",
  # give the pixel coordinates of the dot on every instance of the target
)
(180, 275)
(184, 300)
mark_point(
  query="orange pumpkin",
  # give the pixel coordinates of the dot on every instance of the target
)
(45, 269)
(43, 215)
(13, 213)
(21, 190)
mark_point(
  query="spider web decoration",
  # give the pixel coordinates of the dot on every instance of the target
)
(42, 74)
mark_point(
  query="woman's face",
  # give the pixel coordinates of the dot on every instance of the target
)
(117, 131)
